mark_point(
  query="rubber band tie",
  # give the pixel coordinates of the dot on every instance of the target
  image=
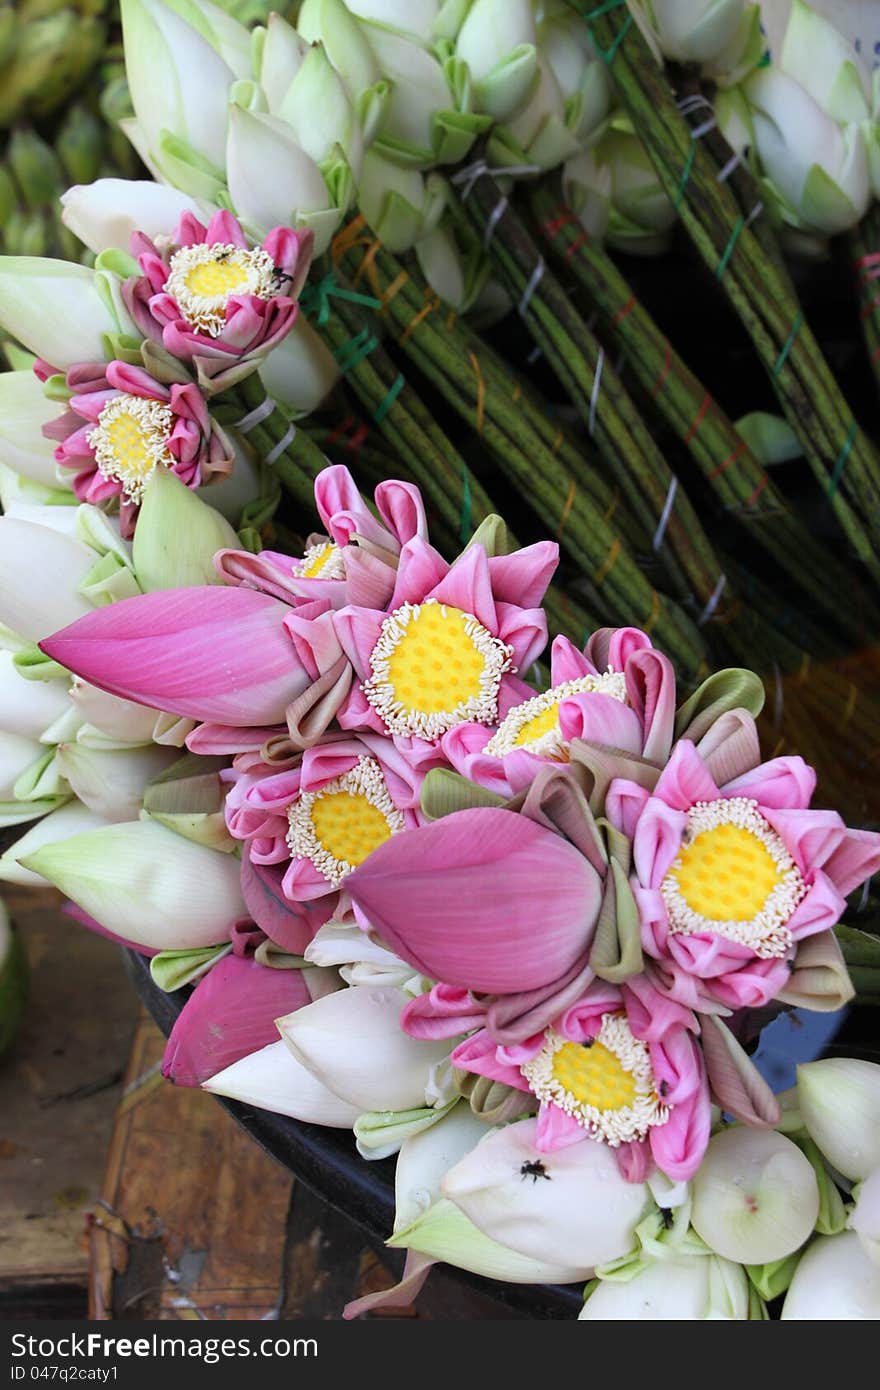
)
(481, 392)
(714, 599)
(534, 281)
(665, 514)
(256, 416)
(278, 449)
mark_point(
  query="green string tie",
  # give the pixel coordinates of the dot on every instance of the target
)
(355, 350)
(728, 250)
(842, 458)
(788, 344)
(391, 395)
(315, 298)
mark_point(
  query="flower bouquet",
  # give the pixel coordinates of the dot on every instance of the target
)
(462, 843)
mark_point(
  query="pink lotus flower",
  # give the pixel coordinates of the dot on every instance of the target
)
(322, 816)
(728, 879)
(618, 1065)
(206, 652)
(492, 901)
(355, 562)
(213, 301)
(230, 1014)
(120, 424)
(444, 649)
(619, 693)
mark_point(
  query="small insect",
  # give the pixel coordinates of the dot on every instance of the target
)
(279, 280)
(588, 1043)
(667, 1217)
(533, 1168)
(223, 255)
(664, 1089)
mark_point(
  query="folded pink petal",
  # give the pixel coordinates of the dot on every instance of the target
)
(483, 898)
(468, 586)
(783, 783)
(650, 686)
(524, 576)
(685, 779)
(419, 571)
(209, 653)
(657, 840)
(599, 718)
(679, 1145)
(446, 1011)
(401, 507)
(557, 1130)
(479, 1054)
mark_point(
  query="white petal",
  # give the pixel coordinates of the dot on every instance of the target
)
(273, 1079)
(58, 825)
(54, 309)
(147, 884)
(29, 707)
(425, 1159)
(840, 1103)
(834, 1282)
(301, 371)
(671, 1291)
(353, 1042)
(575, 1208)
(24, 410)
(755, 1196)
(105, 213)
(35, 610)
(112, 783)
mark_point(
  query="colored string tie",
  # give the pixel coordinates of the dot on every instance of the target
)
(256, 416)
(665, 514)
(533, 282)
(842, 457)
(713, 601)
(315, 299)
(284, 442)
(594, 394)
(468, 177)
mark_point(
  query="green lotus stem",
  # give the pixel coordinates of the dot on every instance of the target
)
(481, 387)
(288, 449)
(843, 459)
(864, 246)
(579, 361)
(740, 482)
(586, 537)
(429, 458)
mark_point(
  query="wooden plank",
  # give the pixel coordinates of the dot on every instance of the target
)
(58, 1091)
(193, 1214)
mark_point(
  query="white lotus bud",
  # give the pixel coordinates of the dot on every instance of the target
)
(104, 214)
(426, 1158)
(834, 1282)
(840, 1103)
(146, 884)
(498, 43)
(673, 1290)
(112, 782)
(273, 1079)
(865, 1216)
(755, 1196)
(29, 707)
(571, 1205)
(68, 820)
(62, 562)
(353, 1042)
